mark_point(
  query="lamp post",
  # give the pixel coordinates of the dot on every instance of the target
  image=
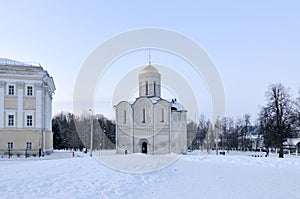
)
(217, 134)
(217, 142)
(91, 144)
(102, 141)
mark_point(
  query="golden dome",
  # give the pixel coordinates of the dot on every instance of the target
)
(149, 69)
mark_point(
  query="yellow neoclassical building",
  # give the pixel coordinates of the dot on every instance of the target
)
(26, 92)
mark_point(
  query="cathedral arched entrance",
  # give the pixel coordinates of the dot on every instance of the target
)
(144, 147)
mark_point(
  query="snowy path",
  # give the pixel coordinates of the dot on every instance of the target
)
(189, 177)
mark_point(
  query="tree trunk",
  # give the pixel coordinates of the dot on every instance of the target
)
(281, 150)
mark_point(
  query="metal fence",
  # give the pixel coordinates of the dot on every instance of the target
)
(9, 62)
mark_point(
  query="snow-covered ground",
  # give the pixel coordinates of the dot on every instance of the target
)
(236, 175)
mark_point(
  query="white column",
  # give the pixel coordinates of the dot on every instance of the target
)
(50, 112)
(47, 113)
(38, 102)
(20, 104)
(2, 104)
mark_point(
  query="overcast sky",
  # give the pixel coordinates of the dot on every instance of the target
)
(252, 44)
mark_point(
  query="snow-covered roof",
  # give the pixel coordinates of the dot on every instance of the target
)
(178, 106)
(297, 128)
(131, 102)
(253, 136)
(175, 104)
(12, 67)
(292, 141)
(9, 62)
(154, 100)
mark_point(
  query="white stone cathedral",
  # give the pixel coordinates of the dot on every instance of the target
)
(151, 124)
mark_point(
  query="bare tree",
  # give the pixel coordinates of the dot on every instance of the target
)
(210, 137)
(297, 110)
(217, 131)
(201, 133)
(191, 133)
(276, 116)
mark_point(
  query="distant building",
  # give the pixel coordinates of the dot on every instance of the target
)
(26, 92)
(151, 124)
(256, 139)
(293, 143)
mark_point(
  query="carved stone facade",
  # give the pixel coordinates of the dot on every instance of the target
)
(151, 124)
